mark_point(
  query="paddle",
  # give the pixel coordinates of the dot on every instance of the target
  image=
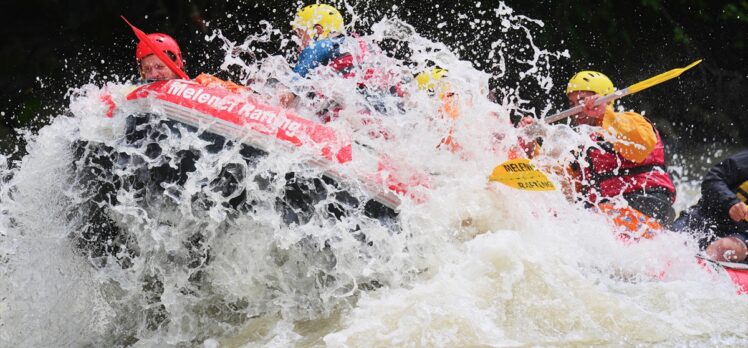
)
(520, 174)
(160, 54)
(637, 87)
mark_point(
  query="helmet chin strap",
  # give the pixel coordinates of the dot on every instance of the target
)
(160, 54)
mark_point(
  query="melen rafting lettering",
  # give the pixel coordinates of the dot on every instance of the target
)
(518, 167)
(536, 185)
(233, 116)
(520, 174)
(220, 101)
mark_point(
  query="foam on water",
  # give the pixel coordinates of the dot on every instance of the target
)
(476, 264)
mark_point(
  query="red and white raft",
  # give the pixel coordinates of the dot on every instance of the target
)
(738, 272)
(637, 227)
(239, 117)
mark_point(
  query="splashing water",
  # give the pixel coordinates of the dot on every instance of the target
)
(111, 240)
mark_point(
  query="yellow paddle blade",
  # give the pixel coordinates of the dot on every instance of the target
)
(660, 78)
(520, 174)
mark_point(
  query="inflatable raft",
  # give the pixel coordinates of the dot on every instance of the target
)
(738, 272)
(636, 227)
(343, 178)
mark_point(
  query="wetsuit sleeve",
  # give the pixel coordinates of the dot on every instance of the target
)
(636, 135)
(314, 55)
(719, 184)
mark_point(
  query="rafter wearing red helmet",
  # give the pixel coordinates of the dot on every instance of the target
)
(150, 66)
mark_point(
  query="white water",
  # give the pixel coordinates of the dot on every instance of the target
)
(477, 264)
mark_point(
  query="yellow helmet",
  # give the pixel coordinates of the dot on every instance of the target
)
(428, 80)
(592, 81)
(324, 15)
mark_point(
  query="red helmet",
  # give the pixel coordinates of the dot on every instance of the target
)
(165, 42)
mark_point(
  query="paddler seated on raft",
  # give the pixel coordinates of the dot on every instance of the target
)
(150, 66)
(433, 82)
(323, 41)
(720, 218)
(319, 31)
(629, 159)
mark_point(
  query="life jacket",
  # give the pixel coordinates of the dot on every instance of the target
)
(345, 62)
(372, 77)
(632, 223)
(372, 83)
(609, 174)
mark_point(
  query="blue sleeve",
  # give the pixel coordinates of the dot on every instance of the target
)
(316, 54)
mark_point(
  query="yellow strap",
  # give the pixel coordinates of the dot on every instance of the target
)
(742, 191)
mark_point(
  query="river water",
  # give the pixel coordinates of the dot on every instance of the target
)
(473, 264)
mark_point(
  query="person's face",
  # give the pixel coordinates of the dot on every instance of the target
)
(152, 68)
(577, 98)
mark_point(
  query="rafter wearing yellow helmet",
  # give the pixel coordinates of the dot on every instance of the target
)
(428, 80)
(433, 81)
(318, 28)
(326, 16)
(323, 41)
(630, 160)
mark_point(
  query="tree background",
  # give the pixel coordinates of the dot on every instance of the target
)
(49, 46)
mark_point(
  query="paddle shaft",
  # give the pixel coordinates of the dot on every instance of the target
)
(578, 109)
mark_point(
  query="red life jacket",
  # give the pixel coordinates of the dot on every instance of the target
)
(608, 174)
(376, 78)
(372, 78)
(344, 63)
